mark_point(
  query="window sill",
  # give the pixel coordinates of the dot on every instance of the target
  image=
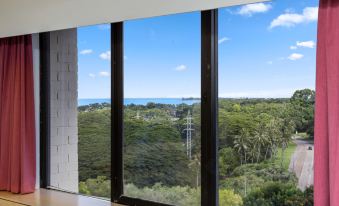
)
(43, 197)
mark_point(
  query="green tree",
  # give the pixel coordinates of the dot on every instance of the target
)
(302, 103)
(154, 153)
(275, 193)
(228, 161)
(99, 187)
(241, 145)
(229, 198)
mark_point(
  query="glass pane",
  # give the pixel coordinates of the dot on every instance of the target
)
(162, 109)
(94, 110)
(266, 103)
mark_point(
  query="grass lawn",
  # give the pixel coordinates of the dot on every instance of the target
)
(288, 154)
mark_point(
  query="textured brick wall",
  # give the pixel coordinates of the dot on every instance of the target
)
(64, 123)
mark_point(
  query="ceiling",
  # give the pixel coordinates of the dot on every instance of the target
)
(19, 17)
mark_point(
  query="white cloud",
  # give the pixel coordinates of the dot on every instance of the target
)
(270, 62)
(310, 14)
(106, 55)
(250, 9)
(181, 68)
(91, 75)
(104, 74)
(307, 44)
(86, 51)
(295, 56)
(222, 40)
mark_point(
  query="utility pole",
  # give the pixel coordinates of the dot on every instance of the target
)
(138, 115)
(189, 134)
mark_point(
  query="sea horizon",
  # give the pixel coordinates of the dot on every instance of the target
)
(140, 101)
(160, 100)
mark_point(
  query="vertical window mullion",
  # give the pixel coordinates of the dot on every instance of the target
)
(45, 135)
(209, 105)
(117, 58)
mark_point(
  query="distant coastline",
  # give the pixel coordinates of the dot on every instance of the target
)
(142, 101)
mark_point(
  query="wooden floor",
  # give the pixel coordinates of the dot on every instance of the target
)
(44, 197)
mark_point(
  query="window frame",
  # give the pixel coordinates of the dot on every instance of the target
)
(209, 105)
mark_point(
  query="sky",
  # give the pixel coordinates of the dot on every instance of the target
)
(265, 50)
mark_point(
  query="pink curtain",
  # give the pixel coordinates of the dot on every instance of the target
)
(326, 174)
(17, 121)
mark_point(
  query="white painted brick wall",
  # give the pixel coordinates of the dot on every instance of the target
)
(64, 121)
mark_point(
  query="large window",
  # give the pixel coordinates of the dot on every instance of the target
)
(161, 151)
(266, 103)
(139, 112)
(94, 110)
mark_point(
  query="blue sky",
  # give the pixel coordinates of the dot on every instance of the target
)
(265, 50)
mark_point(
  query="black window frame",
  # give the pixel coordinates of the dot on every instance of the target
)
(209, 105)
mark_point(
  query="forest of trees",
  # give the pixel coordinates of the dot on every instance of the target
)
(254, 137)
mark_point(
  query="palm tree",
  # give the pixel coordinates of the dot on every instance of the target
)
(272, 133)
(240, 144)
(252, 153)
(287, 128)
(260, 139)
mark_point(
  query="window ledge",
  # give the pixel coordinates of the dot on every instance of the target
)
(43, 197)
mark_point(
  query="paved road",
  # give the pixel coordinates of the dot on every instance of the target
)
(302, 163)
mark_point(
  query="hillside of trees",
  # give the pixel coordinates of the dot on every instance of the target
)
(255, 136)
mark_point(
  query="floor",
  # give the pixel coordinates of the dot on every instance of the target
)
(8, 203)
(44, 197)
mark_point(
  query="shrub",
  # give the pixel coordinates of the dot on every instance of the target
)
(229, 198)
(276, 194)
(177, 195)
(266, 171)
(99, 187)
(242, 184)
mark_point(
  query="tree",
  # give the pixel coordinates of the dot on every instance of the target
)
(241, 145)
(302, 103)
(154, 153)
(273, 132)
(229, 198)
(260, 139)
(275, 193)
(303, 97)
(286, 126)
(228, 161)
(170, 195)
(100, 187)
(195, 166)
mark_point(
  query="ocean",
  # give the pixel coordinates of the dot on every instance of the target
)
(139, 101)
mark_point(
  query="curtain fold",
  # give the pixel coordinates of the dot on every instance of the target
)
(17, 120)
(326, 174)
